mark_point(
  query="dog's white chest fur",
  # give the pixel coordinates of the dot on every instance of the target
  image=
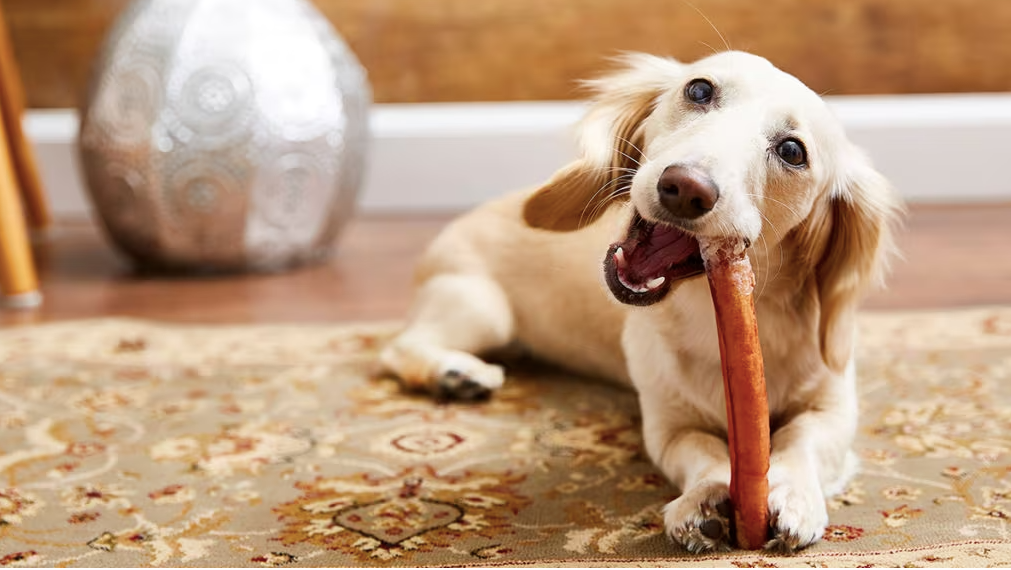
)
(674, 351)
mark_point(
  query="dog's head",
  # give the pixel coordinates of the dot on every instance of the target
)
(729, 146)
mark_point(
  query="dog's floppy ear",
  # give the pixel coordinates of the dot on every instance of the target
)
(853, 231)
(611, 139)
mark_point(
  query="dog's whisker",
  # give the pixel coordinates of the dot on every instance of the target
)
(626, 176)
(765, 247)
(592, 201)
(779, 235)
(779, 241)
(631, 144)
(760, 271)
(767, 280)
(597, 204)
(609, 183)
(613, 181)
(710, 22)
(641, 152)
(612, 167)
(613, 195)
(714, 50)
(628, 157)
(618, 191)
(780, 202)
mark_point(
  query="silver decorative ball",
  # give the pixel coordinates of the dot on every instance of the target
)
(225, 134)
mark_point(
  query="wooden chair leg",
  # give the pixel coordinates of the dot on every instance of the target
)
(18, 281)
(23, 157)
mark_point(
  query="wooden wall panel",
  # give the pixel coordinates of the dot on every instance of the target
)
(485, 50)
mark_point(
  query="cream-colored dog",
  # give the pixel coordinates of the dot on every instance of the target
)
(599, 271)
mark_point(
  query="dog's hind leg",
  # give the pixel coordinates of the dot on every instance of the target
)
(455, 318)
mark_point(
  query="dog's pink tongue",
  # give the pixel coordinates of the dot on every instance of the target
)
(665, 246)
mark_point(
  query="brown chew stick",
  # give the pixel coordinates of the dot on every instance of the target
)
(731, 282)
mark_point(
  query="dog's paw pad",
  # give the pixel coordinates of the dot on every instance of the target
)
(455, 385)
(785, 542)
(700, 519)
(714, 529)
(476, 381)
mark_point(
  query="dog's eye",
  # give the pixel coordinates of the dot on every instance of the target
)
(699, 91)
(792, 152)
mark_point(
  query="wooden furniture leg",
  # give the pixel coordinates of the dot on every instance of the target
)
(18, 282)
(12, 107)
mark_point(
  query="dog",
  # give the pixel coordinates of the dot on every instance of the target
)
(726, 147)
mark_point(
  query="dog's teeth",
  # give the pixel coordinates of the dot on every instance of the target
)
(655, 283)
(619, 258)
(629, 286)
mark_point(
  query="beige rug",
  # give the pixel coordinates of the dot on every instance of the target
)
(126, 443)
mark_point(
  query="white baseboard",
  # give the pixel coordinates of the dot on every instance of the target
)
(444, 157)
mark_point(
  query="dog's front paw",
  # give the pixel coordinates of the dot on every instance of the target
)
(467, 378)
(798, 517)
(700, 518)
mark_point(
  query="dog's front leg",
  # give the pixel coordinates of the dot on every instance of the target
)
(698, 463)
(682, 429)
(811, 460)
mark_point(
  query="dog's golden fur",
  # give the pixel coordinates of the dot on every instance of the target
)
(525, 270)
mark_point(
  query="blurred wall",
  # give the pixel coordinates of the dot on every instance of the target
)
(493, 50)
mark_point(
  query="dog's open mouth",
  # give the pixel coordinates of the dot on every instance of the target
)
(641, 269)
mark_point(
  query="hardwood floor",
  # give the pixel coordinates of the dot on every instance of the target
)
(954, 256)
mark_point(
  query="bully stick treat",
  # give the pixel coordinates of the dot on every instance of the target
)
(732, 282)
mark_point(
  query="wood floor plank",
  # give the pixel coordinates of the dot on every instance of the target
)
(954, 256)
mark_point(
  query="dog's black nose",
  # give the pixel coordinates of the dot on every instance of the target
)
(685, 192)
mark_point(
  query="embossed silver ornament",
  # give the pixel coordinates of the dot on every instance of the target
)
(225, 134)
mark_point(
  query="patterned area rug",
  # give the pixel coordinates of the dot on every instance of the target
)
(125, 443)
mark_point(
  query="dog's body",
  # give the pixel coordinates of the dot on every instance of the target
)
(726, 147)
